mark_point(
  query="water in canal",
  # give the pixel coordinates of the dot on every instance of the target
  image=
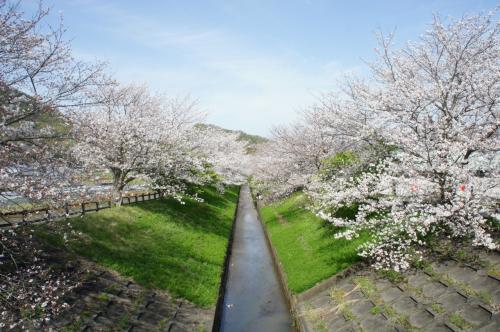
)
(254, 300)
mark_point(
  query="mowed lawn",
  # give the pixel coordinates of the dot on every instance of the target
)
(160, 244)
(305, 244)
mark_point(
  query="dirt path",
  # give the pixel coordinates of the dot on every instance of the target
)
(253, 300)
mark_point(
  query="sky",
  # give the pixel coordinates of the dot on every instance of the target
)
(250, 64)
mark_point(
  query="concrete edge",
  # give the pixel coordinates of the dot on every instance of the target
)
(295, 301)
(327, 283)
(298, 323)
(224, 275)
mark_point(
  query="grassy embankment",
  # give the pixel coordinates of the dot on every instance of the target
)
(160, 244)
(305, 244)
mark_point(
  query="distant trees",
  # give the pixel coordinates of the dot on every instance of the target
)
(300, 152)
(295, 154)
(224, 150)
(274, 174)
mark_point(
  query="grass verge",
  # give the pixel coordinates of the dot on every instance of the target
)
(305, 244)
(160, 244)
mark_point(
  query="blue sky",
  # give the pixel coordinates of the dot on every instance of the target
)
(251, 63)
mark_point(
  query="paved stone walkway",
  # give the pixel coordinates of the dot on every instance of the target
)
(254, 299)
(107, 302)
(445, 296)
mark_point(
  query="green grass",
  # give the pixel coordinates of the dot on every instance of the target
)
(160, 244)
(366, 285)
(393, 276)
(437, 308)
(305, 244)
(457, 320)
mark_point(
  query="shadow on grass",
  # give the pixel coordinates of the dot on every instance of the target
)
(163, 243)
(340, 253)
(200, 216)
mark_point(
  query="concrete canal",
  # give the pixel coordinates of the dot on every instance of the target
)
(254, 299)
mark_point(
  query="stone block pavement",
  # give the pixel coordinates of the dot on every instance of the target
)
(442, 296)
(108, 302)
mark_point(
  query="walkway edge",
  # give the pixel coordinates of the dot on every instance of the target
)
(327, 283)
(222, 287)
(298, 323)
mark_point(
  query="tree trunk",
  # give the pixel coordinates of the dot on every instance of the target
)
(442, 189)
(117, 196)
(118, 185)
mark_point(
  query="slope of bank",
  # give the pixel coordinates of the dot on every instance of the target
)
(162, 244)
(305, 244)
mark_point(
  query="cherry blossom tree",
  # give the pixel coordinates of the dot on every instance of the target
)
(207, 155)
(224, 151)
(39, 79)
(294, 154)
(39, 82)
(303, 150)
(274, 175)
(436, 102)
(133, 133)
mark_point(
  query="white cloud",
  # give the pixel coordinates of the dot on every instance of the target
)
(240, 85)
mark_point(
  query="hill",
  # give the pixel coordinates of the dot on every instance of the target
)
(243, 136)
